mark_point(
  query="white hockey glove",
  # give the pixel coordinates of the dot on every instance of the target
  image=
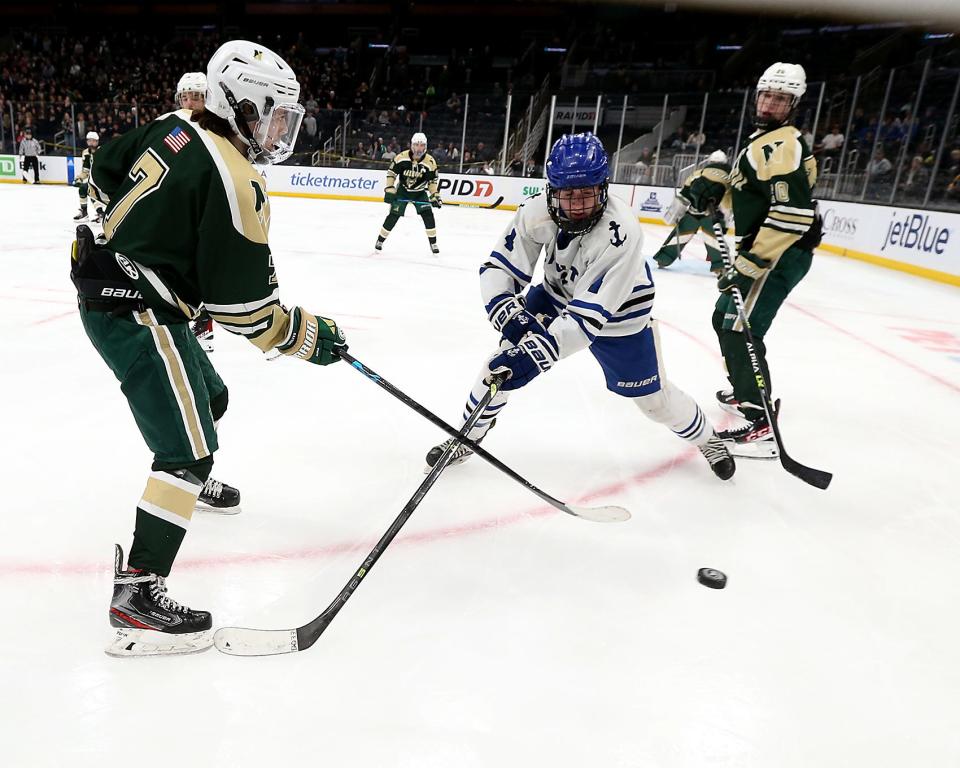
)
(676, 210)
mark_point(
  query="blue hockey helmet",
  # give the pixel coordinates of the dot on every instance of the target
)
(577, 162)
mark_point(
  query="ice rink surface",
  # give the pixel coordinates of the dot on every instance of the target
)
(495, 631)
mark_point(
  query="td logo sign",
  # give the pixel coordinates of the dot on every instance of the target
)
(8, 166)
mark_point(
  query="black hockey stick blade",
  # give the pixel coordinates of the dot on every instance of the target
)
(604, 514)
(818, 478)
(241, 641)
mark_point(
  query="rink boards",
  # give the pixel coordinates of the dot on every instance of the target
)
(919, 242)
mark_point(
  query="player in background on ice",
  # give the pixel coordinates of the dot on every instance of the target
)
(30, 149)
(688, 220)
(186, 222)
(412, 178)
(597, 294)
(93, 141)
(191, 94)
(776, 230)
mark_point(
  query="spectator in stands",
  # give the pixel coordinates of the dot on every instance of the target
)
(914, 183)
(453, 152)
(832, 143)
(643, 171)
(489, 167)
(879, 171)
(807, 136)
(695, 142)
(310, 130)
(453, 104)
(482, 153)
(952, 192)
(515, 167)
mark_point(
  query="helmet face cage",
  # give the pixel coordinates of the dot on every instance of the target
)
(576, 209)
(774, 120)
(418, 146)
(577, 182)
(787, 80)
(191, 88)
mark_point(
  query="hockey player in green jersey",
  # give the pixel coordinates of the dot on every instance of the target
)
(776, 230)
(715, 170)
(412, 178)
(93, 141)
(186, 222)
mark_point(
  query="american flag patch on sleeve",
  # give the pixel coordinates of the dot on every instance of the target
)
(177, 139)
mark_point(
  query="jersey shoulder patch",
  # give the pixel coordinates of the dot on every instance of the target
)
(402, 156)
(776, 153)
(429, 162)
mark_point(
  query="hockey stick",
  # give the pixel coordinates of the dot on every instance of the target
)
(815, 477)
(239, 641)
(460, 204)
(607, 514)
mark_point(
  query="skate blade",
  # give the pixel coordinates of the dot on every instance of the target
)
(129, 642)
(427, 467)
(763, 449)
(201, 507)
(730, 409)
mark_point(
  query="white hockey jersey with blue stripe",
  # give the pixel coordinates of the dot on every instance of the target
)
(599, 282)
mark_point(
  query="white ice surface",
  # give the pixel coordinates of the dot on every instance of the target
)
(494, 631)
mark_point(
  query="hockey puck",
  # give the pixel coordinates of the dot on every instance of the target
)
(712, 578)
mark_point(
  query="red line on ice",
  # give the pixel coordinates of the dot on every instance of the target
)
(875, 348)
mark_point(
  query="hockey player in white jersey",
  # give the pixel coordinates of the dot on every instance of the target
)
(597, 294)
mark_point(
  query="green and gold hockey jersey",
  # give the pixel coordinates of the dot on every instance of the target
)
(188, 216)
(413, 175)
(771, 191)
(86, 160)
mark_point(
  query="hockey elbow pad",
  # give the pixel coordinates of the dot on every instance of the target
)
(312, 338)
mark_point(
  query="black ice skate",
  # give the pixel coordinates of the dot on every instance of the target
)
(379, 245)
(719, 458)
(460, 454)
(82, 215)
(728, 402)
(218, 497)
(753, 440)
(203, 329)
(99, 217)
(148, 622)
(435, 249)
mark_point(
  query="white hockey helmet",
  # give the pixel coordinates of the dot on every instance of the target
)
(93, 136)
(192, 82)
(255, 91)
(784, 78)
(781, 78)
(718, 157)
(419, 140)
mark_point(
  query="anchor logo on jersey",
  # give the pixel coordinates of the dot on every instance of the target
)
(616, 240)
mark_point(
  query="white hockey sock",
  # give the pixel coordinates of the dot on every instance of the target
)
(676, 410)
(489, 413)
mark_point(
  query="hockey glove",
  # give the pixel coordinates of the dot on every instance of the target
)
(524, 362)
(435, 201)
(389, 195)
(676, 210)
(702, 193)
(312, 338)
(747, 268)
